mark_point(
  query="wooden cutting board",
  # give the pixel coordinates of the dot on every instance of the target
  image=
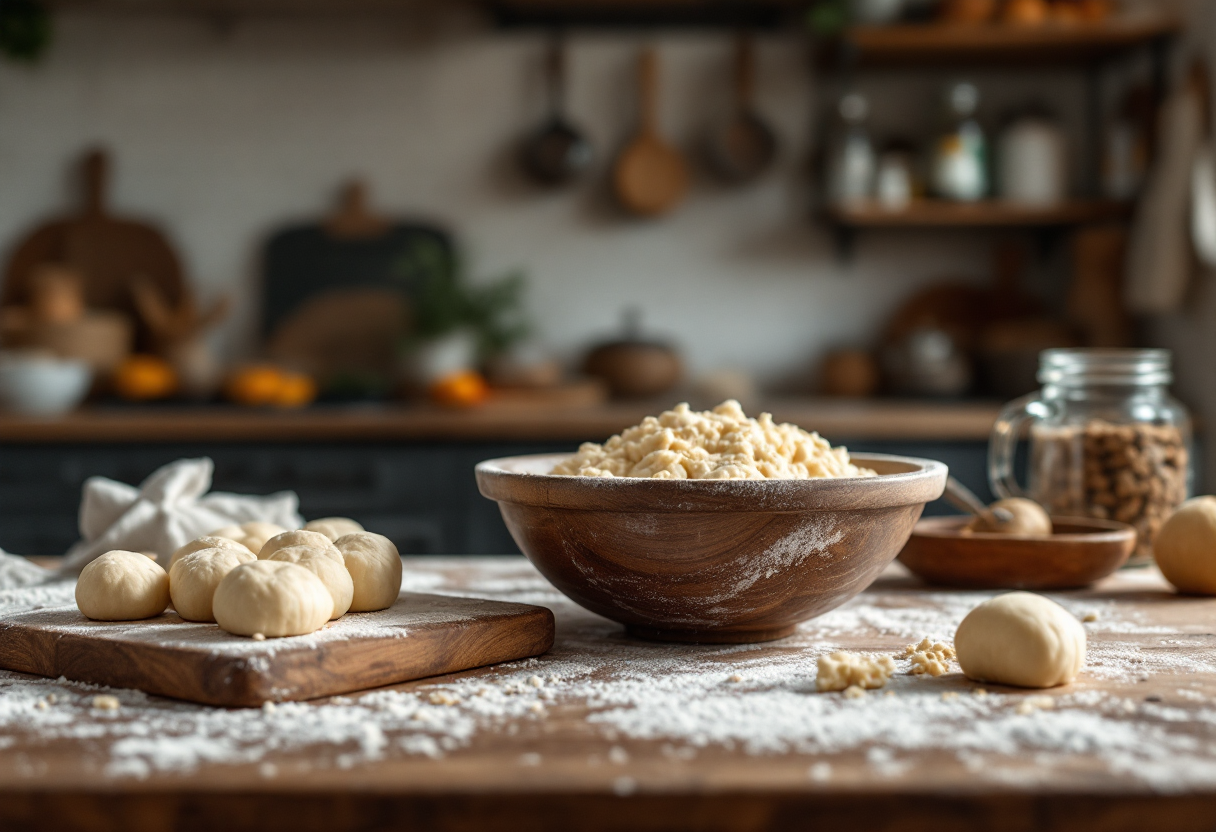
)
(419, 636)
(109, 252)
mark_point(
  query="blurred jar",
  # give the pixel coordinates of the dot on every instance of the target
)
(1030, 160)
(895, 183)
(852, 163)
(1106, 440)
(960, 161)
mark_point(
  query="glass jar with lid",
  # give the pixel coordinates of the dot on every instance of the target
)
(1107, 440)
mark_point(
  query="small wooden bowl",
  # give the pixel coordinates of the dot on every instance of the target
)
(714, 561)
(1080, 552)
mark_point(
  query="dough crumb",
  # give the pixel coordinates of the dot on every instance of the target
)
(735, 677)
(536, 682)
(442, 697)
(1035, 703)
(929, 657)
(718, 444)
(841, 670)
(105, 702)
(537, 707)
(949, 695)
(268, 707)
(259, 636)
(1089, 617)
(980, 692)
(854, 692)
(51, 699)
(41, 705)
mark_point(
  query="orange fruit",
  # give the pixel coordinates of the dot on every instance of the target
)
(256, 385)
(462, 389)
(295, 390)
(143, 378)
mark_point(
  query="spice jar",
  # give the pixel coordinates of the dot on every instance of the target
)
(1107, 440)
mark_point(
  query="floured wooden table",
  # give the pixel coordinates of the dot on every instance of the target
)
(606, 732)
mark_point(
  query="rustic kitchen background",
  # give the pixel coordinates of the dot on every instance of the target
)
(224, 124)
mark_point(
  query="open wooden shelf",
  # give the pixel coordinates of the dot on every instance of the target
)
(1050, 44)
(932, 213)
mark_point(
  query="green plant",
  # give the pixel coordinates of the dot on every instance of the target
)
(25, 29)
(443, 302)
(828, 18)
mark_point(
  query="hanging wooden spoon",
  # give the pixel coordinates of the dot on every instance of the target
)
(650, 177)
(744, 146)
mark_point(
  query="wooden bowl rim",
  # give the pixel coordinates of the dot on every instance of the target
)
(1104, 531)
(501, 479)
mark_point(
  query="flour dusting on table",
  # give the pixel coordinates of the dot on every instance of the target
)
(686, 701)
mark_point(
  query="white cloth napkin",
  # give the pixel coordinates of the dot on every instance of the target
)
(168, 510)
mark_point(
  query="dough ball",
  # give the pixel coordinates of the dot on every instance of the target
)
(209, 542)
(194, 577)
(334, 527)
(122, 586)
(299, 537)
(1020, 639)
(1029, 519)
(271, 597)
(328, 565)
(1185, 547)
(375, 566)
(252, 535)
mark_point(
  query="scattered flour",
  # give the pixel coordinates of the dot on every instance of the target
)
(688, 700)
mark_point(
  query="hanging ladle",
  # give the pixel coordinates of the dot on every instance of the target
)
(557, 152)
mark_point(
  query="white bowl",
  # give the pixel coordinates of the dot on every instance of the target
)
(40, 385)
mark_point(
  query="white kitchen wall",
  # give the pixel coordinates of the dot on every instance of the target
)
(223, 137)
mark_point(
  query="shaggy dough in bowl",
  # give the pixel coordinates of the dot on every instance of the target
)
(122, 586)
(194, 577)
(326, 564)
(375, 566)
(333, 527)
(718, 444)
(1022, 639)
(273, 598)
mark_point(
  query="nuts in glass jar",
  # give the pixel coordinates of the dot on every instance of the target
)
(1132, 473)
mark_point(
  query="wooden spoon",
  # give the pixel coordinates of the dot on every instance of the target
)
(743, 147)
(651, 176)
(960, 496)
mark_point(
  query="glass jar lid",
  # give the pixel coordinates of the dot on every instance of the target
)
(1105, 367)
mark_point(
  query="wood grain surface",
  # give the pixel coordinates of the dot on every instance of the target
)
(1080, 552)
(710, 561)
(565, 771)
(834, 418)
(419, 636)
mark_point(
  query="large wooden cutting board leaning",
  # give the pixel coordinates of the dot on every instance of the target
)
(419, 636)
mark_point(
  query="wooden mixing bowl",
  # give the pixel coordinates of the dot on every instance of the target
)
(717, 561)
(1079, 552)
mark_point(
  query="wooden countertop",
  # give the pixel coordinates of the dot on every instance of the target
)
(838, 420)
(607, 733)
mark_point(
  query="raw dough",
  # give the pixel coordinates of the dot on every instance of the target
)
(271, 598)
(842, 670)
(299, 537)
(1021, 639)
(1029, 519)
(207, 542)
(1185, 547)
(375, 566)
(333, 527)
(194, 577)
(326, 564)
(253, 534)
(122, 586)
(719, 444)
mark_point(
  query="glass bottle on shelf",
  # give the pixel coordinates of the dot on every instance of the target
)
(853, 162)
(960, 159)
(1107, 440)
